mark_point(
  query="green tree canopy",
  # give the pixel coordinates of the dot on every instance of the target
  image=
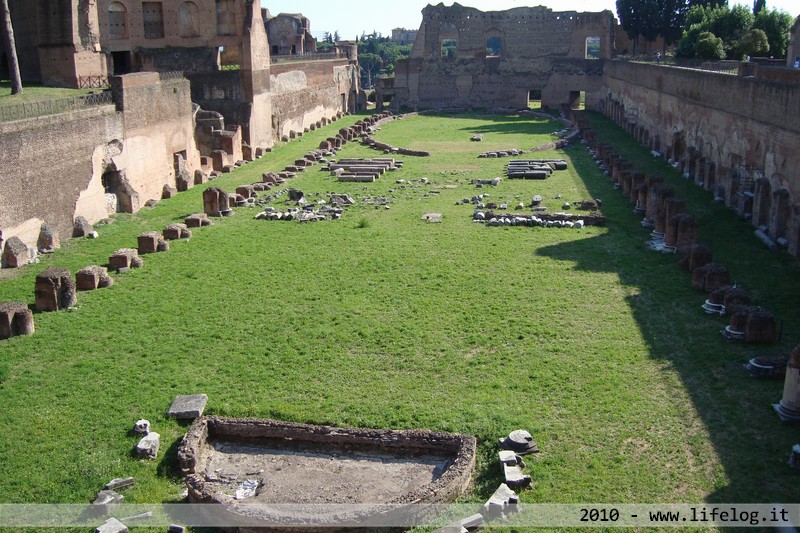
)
(708, 46)
(777, 25)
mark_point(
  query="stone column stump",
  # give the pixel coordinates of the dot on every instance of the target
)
(711, 277)
(93, 277)
(198, 220)
(174, 232)
(125, 259)
(151, 242)
(761, 326)
(55, 290)
(15, 320)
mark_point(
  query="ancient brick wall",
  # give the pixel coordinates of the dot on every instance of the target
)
(793, 51)
(736, 136)
(55, 168)
(467, 58)
(45, 165)
(305, 93)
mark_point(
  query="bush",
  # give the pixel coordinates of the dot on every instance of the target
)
(363, 223)
(754, 43)
(709, 46)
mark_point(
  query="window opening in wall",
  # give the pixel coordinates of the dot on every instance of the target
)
(189, 18)
(593, 48)
(577, 100)
(117, 21)
(226, 17)
(112, 186)
(449, 48)
(494, 47)
(275, 49)
(153, 15)
(535, 99)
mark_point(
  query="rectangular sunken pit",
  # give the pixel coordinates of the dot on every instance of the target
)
(285, 463)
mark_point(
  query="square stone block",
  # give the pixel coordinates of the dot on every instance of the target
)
(188, 407)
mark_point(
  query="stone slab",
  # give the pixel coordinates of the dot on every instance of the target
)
(188, 407)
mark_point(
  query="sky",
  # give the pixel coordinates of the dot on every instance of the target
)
(351, 18)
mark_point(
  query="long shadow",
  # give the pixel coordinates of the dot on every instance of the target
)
(749, 439)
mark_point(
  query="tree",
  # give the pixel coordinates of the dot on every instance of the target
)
(336, 37)
(777, 25)
(759, 6)
(709, 46)
(754, 43)
(652, 18)
(10, 47)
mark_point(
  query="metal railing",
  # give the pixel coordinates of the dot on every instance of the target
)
(93, 82)
(174, 75)
(307, 57)
(53, 107)
(723, 67)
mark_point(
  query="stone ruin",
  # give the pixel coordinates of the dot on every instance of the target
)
(711, 277)
(48, 241)
(363, 170)
(198, 220)
(15, 319)
(125, 259)
(217, 203)
(175, 232)
(152, 242)
(789, 406)
(726, 298)
(16, 253)
(260, 461)
(696, 256)
(55, 290)
(534, 169)
(81, 227)
(92, 278)
(751, 324)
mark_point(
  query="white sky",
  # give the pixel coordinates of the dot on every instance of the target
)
(352, 17)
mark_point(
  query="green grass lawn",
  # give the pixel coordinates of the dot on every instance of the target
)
(595, 345)
(36, 93)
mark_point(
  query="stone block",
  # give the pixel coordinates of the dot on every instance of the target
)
(55, 290)
(200, 177)
(119, 483)
(125, 258)
(48, 240)
(168, 192)
(106, 500)
(93, 277)
(515, 477)
(188, 406)
(81, 227)
(15, 253)
(151, 242)
(112, 525)
(15, 319)
(761, 326)
(498, 504)
(147, 448)
(198, 220)
(216, 202)
(174, 232)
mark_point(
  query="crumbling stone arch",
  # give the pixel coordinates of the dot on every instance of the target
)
(117, 20)
(495, 42)
(189, 19)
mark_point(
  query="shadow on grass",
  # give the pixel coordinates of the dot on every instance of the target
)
(747, 436)
(169, 467)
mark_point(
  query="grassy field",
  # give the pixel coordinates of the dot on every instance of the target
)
(35, 93)
(595, 345)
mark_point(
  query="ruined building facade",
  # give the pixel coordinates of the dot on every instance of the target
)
(193, 89)
(736, 136)
(466, 58)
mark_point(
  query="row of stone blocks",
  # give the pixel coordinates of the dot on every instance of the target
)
(152, 242)
(667, 215)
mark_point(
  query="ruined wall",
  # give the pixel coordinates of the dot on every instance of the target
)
(739, 137)
(45, 165)
(57, 41)
(464, 57)
(55, 168)
(305, 93)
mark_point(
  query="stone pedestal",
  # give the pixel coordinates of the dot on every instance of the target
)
(15, 319)
(55, 290)
(152, 242)
(198, 220)
(789, 407)
(125, 258)
(93, 277)
(173, 232)
(216, 202)
(761, 326)
(15, 253)
(711, 277)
